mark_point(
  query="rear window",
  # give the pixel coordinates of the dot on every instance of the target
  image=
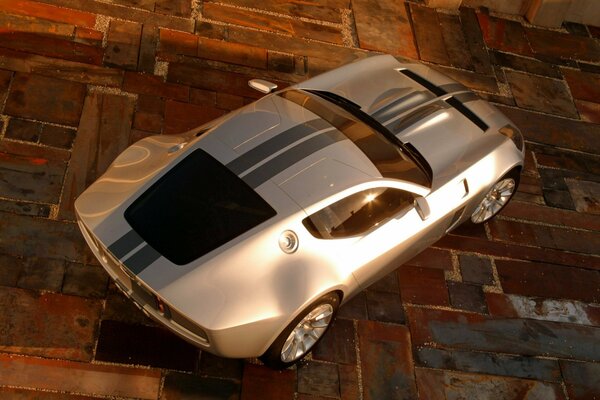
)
(196, 207)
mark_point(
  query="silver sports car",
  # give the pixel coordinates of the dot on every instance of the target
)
(244, 236)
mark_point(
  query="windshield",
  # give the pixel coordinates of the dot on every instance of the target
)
(196, 207)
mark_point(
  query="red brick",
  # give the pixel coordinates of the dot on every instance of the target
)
(563, 45)
(175, 42)
(51, 47)
(30, 150)
(123, 44)
(504, 34)
(185, 386)
(581, 379)
(549, 281)
(338, 345)
(46, 99)
(349, 389)
(203, 97)
(386, 361)
(537, 213)
(432, 258)
(443, 384)
(48, 12)
(384, 26)
(474, 39)
(588, 111)
(82, 378)
(319, 379)
(48, 325)
(262, 383)
(181, 117)
(229, 101)
(423, 286)
(583, 85)
(271, 23)
(26, 394)
(455, 41)
(180, 8)
(14, 23)
(281, 62)
(102, 135)
(88, 36)
(472, 80)
(234, 53)
(155, 86)
(428, 34)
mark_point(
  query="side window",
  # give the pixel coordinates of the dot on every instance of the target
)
(358, 213)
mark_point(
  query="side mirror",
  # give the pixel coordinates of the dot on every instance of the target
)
(422, 207)
(262, 85)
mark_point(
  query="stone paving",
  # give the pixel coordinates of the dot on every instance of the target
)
(506, 311)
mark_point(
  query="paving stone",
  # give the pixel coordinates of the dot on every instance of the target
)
(541, 94)
(562, 46)
(218, 367)
(532, 212)
(47, 99)
(327, 10)
(468, 297)
(455, 41)
(505, 35)
(386, 361)
(233, 53)
(548, 281)
(338, 345)
(85, 280)
(569, 311)
(585, 195)
(154, 86)
(470, 79)
(384, 26)
(83, 378)
(180, 386)
(319, 379)
(476, 269)
(583, 85)
(543, 236)
(489, 363)
(469, 331)
(181, 117)
(423, 286)
(526, 64)
(42, 274)
(260, 382)
(428, 34)
(581, 379)
(48, 12)
(119, 342)
(475, 42)
(384, 307)
(10, 269)
(355, 308)
(432, 258)
(63, 69)
(272, 23)
(123, 44)
(439, 385)
(48, 325)
(102, 135)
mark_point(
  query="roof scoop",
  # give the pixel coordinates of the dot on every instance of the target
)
(262, 85)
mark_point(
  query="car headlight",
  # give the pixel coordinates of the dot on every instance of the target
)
(513, 134)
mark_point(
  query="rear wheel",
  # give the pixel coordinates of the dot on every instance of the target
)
(496, 198)
(302, 334)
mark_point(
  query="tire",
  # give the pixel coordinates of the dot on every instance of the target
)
(302, 334)
(497, 197)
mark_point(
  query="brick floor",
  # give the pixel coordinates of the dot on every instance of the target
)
(508, 311)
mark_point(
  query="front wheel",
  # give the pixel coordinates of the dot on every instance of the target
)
(496, 198)
(302, 334)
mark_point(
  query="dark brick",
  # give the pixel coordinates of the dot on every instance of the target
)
(355, 308)
(585, 195)
(441, 385)
(154, 86)
(233, 53)
(588, 111)
(88, 36)
(263, 383)
(48, 325)
(338, 345)
(384, 26)
(428, 34)
(281, 62)
(203, 97)
(475, 43)
(349, 389)
(583, 85)
(504, 35)
(319, 379)
(85, 280)
(180, 386)
(23, 208)
(57, 136)
(455, 41)
(541, 94)
(432, 258)
(476, 269)
(42, 274)
(581, 379)
(49, 12)
(25, 394)
(386, 361)
(10, 269)
(218, 367)
(123, 44)
(562, 45)
(180, 8)
(327, 10)
(129, 344)
(526, 64)
(388, 283)
(489, 363)
(120, 308)
(549, 281)
(148, 44)
(464, 296)
(470, 230)
(384, 307)
(532, 212)
(559, 199)
(47, 99)
(21, 129)
(229, 101)
(472, 80)
(423, 286)
(181, 117)
(576, 29)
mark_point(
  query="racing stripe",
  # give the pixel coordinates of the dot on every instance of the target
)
(402, 104)
(275, 144)
(142, 259)
(125, 244)
(290, 157)
(415, 116)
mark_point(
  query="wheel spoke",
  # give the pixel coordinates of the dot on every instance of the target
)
(494, 200)
(308, 331)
